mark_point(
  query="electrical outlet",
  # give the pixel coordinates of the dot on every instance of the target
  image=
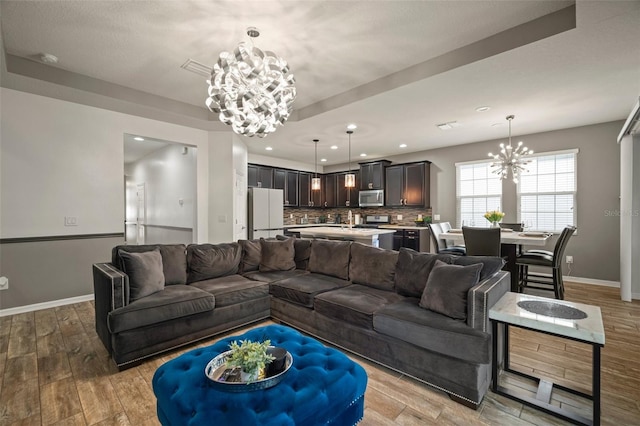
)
(569, 259)
(70, 221)
(4, 283)
(399, 217)
(436, 217)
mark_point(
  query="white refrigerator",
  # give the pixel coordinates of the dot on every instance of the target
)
(265, 213)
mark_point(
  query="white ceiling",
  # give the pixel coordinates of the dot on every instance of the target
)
(396, 68)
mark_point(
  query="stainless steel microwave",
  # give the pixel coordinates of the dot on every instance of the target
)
(371, 198)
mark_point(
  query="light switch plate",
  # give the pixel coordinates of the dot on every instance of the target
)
(436, 217)
(4, 283)
(70, 221)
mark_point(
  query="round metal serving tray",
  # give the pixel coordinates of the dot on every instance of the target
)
(217, 365)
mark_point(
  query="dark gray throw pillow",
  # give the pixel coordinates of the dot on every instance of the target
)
(277, 255)
(447, 287)
(208, 261)
(490, 264)
(251, 255)
(144, 271)
(413, 268)
(330, 258)
(174, 260)
(302, 248)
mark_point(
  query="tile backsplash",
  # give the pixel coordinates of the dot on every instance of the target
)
(409, 215)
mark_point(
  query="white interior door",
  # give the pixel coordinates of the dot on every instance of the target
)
(141, 215)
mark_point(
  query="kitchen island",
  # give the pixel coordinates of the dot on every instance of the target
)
(382, 238)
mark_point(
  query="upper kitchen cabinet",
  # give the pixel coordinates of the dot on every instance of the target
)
(287, 180)
(372, 174)
(407, 185)
(259, 176)
(343, 194)
(329, 190)
(304, 189)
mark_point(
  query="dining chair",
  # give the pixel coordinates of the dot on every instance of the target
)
(517, 227)
(546, 259)
(440, 244)
(481, 241)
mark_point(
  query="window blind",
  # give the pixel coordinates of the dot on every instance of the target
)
(477, 191)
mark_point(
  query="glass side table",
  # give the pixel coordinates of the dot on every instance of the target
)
(574, 321)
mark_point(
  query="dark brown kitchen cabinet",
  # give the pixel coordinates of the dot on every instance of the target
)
(329, 190)
(346, 194)
(407, 185)
(304, 189)
(259, 176)
(372, 175)
(287, 180)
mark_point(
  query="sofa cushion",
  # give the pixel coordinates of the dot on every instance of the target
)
(490, 264)
(173, 302)
(174, 260)
(407, 321)
(447, 288)
(330, 258)
(302, 248)
(302, 289)
(372, 266)
(273, 276)
(277, 255)
(413, 268)
(206, 261)
(233, 289)
(251, 255)
(354, 304)
(144, 271)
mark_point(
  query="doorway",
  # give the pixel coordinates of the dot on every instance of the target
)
(160, 191)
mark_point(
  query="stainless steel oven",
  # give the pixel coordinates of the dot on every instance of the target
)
(371, 198)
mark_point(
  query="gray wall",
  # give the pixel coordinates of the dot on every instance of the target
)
(596, 247)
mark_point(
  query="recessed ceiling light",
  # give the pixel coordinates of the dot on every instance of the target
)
(403, 145)
(138, 138)
(48, 58)
(363, 155)
(334, 146)
(269, 148)
(483, 108)
(323, 160)
(444, 126)
(496, 124)
(352, 126)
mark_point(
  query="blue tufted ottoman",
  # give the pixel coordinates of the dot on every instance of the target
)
(323, 387)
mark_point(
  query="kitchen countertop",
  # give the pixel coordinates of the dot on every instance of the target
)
(419, 228)
(343, 232)
(314, 225)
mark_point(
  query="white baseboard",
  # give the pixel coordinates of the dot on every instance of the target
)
(45, 305)
(581, 280)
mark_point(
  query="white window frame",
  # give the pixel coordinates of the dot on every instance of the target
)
(557, 229)
(478, 220)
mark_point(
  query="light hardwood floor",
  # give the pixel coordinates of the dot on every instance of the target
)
(55, 370)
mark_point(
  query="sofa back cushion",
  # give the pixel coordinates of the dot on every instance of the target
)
(330, 258)
(145, 272)
(373, 267)
(413, 268)
(174, 260)
(251, 255)
(490, 264)
(277, 255)
(206, 261)
(447, 288)
(302, 249)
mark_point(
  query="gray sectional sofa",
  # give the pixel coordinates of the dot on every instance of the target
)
(423, 314)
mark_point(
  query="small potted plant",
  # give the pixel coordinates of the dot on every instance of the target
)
(494, 216)
(251, 358)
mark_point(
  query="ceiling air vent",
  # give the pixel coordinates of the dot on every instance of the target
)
(197, 67)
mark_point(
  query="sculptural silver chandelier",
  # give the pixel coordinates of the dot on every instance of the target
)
(251, 90)
(511, 159)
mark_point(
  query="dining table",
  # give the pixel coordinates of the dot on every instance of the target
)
(509, 241)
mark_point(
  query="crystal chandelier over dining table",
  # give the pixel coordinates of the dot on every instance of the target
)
(251, 90)
(511, 159)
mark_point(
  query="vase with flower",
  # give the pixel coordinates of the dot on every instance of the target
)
(494, 216)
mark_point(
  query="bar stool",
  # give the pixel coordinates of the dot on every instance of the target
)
(481, 241)
(440, 244)
(547, 259)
